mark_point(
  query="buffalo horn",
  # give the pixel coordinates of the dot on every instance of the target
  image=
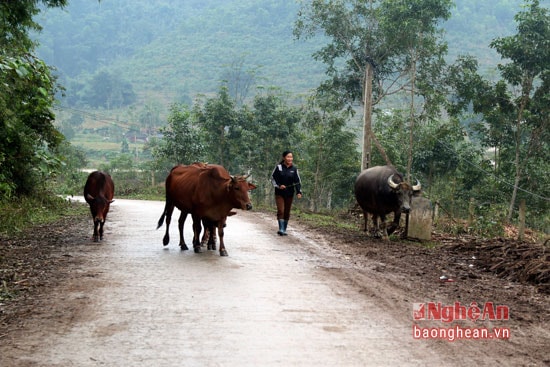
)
(417, 187)
(392, 184)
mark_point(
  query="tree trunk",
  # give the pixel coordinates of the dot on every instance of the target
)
(367, 117)
(411, 122)
(368, 135)
(527, 86)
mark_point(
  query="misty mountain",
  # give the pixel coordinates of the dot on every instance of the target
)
(173, 50)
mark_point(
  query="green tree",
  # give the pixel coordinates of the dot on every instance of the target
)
(419, 57)
(514, 108)
(370, 56)
(109, 91)
(28, 137)
(180, 143)
(216, 117)
(239, 81)
(330, 158)
(529, 74)
(273, 128)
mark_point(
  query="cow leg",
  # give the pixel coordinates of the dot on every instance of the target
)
(181, 222)
(205, 236)
(196, 234)
(211, 236)
(223, 252)
(168, 212)
(101, 223)
(95, 236)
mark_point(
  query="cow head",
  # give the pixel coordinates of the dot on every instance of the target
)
(99, 206)
(404, 192)
(238, 188)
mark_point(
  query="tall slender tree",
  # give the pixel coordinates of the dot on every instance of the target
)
(368, 45)
(528, 75)
(514, 108)
(216, 117)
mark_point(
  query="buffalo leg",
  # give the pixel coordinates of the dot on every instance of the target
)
(379, 227)
(395, 224)
(181, 222)
(376, 226)
(384, 226)
(365, 224)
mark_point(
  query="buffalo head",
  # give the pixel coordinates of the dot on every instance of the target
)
(404, 192)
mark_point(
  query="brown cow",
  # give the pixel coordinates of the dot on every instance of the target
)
(207, 192)
(209, 236)
(98, 193)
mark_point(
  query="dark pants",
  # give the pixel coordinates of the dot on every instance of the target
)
(283, 206)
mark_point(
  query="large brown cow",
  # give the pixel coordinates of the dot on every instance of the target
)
(98, 193)
(381, 190)
(208, 193)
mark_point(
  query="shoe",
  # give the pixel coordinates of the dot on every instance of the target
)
(280, 232)
(285, 223)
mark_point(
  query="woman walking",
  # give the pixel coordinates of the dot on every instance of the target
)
(286, 180)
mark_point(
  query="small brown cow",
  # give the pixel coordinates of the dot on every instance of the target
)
(98, 193)
(208, 192)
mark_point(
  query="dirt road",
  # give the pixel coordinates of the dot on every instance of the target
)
(275, 301)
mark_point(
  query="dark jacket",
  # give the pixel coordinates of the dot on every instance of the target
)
(288, 176)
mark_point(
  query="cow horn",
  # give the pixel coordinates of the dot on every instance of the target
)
(392, 184)
(417, 187)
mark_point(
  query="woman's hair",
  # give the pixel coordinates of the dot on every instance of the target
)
(285, 153)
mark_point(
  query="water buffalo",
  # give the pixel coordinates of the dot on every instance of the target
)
(381, 190)
(208, 192)
(98, 193)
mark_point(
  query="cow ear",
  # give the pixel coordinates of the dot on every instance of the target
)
(251, 186)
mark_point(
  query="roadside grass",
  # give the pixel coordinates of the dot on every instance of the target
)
(20, 214)
(336, 219)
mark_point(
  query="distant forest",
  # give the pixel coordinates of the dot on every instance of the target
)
(111, 54)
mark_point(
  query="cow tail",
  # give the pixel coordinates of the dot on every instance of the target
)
(161, 220)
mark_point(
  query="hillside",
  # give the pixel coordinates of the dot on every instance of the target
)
(173, 50)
